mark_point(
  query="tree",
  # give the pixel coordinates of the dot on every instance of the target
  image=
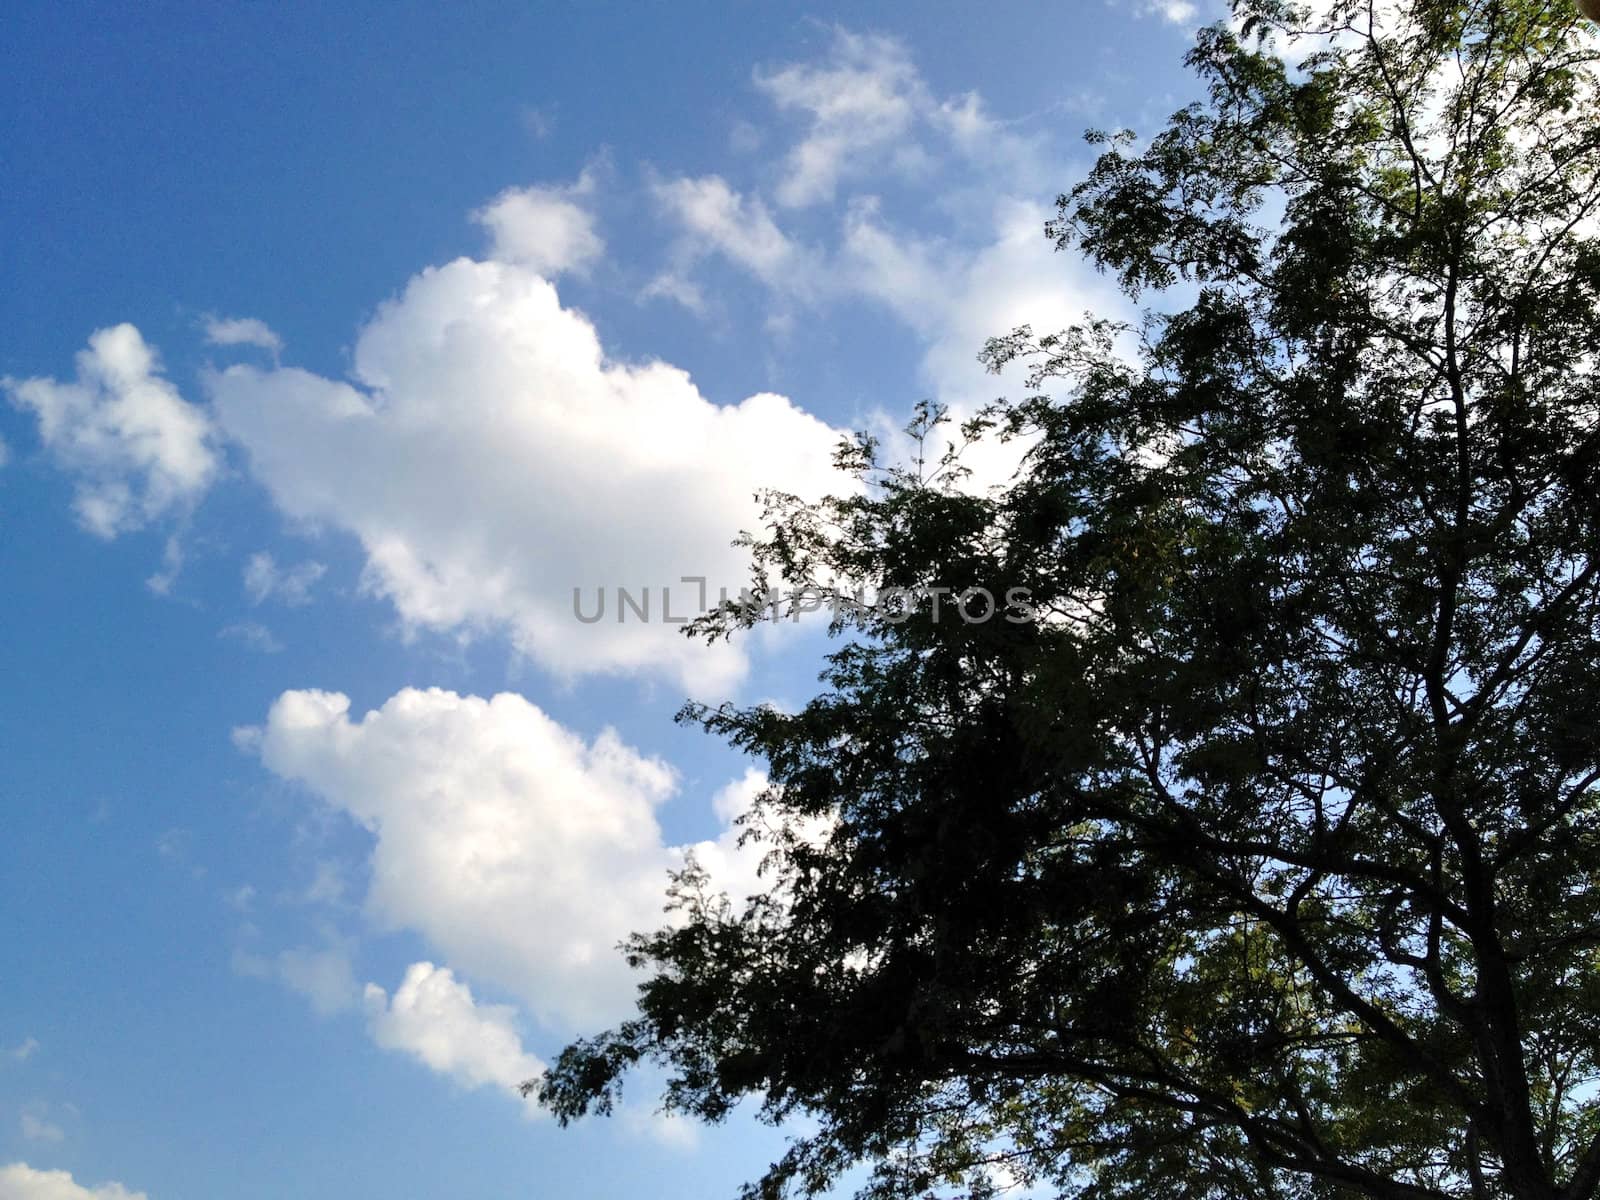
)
(1263, 860)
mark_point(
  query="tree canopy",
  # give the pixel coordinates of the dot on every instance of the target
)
(1263, 860)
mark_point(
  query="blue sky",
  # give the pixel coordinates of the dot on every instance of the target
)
(341, 343)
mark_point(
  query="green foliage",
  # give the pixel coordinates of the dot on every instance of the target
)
(1264, 861)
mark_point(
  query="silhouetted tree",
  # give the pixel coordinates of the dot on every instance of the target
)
(1264, 860)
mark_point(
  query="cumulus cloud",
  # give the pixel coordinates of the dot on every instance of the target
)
(264, 580)
(521, 851)
(492, 460)
(137, 449)
(19, 1181)
(435, 1019)
(241, 331)
(542, 228)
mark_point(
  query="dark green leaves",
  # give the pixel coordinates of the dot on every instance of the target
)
(1264, 860)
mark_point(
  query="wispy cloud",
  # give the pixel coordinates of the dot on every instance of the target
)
(254, 635)
(23, 1050)
(264, 580)
(858, 105)
(241, 331)
(36, 1128)
(322, 974)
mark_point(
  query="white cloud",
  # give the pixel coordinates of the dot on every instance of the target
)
(137, 449)
(954, 294)
(322, 975)
(242, 331)
(1174, 12)
(491, 460)
(265, 580)
(673, 1130)
(5, 452)
(860, 104)
(541, 228)
(958, 297)
(715, 217)
(161, 582)
(434, 1018)
(735, 868)
(173, 844)
(252, 634)
(36, 1128)
(522, 852)
(745, 138)
(327, 885)
(21, 1182)
(23, 1050)
(872, 115)
(539, 122)
(671, 285)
